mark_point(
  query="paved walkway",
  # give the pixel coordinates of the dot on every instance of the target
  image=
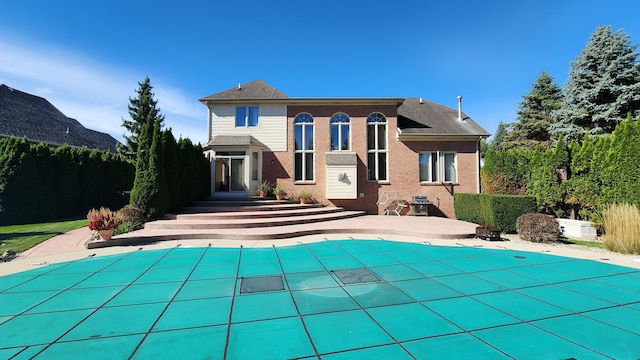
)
(432, 230)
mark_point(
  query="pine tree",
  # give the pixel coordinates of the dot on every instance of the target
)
(535, 116)
(142, 110)
(603, 86)
(499, 136)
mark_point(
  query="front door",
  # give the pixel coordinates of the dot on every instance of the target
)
(230, 172)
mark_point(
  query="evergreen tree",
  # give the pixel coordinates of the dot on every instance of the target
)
(499, 136)
(603, 86)
(549, 174)
(143, 110)
(535, 115)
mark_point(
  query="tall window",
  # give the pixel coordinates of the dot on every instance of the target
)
(377, 147)
(340, 126)
(247, 116)
(304, 150)
(438, 167)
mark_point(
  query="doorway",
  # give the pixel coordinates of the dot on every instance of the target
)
(230, 172)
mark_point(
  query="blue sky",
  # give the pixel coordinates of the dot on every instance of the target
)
(87, 57)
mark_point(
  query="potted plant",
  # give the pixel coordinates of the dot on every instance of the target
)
(280, 191)
(264, 187)
(104, 221)
(304, 196)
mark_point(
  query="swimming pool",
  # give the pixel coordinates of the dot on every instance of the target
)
(346, 299)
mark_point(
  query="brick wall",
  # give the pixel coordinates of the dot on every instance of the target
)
(402, 169)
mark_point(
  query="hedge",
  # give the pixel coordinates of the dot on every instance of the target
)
(498, 210)
(40, 183)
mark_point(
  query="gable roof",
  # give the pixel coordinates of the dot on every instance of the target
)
(418, 117)
(33, 117)
(255, 90)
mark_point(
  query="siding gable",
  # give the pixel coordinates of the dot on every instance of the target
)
(271, 129)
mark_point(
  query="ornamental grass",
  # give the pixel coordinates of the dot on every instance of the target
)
(104, 219)
(622, 228)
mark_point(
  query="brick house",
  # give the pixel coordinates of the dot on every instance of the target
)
(344, 151)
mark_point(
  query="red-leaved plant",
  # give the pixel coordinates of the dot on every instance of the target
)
(103, 219)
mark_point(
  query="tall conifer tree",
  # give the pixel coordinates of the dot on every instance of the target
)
(535, 115)
(142, 110)
(603, 86)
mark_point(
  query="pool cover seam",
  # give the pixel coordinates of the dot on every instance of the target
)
(102, 305)
(556, 284)
(164, 310)
(395, 341)
(233, 299)
(295, 304)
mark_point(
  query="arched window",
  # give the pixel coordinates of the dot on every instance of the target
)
(340, 129)
(304, 150)
(377, 147)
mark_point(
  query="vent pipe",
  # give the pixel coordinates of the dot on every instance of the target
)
(239, 86)
(459, 108)
(420, 100)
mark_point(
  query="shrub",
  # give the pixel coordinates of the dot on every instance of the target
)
(622, 228)
(103, 219)
(498, 210)
(132, 218)
(536, 227)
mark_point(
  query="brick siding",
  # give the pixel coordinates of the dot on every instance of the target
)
(402, 168)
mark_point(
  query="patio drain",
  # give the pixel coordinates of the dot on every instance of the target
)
(355, 276)
(259, 284)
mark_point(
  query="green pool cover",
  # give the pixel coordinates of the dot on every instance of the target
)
(348, 299)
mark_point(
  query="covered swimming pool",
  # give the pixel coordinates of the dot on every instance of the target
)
(346, 299)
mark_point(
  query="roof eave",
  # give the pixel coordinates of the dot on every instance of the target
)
(306, 101)
(440, 137)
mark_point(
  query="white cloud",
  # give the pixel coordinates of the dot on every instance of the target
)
(91, 92)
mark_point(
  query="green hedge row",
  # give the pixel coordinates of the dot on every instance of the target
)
(498, 210)
(40, 183)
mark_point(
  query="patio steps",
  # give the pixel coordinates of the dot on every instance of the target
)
(245, 213)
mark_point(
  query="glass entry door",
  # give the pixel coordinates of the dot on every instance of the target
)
(230, 172)
(237, 175)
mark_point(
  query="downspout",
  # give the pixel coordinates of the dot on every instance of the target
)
(479, 159)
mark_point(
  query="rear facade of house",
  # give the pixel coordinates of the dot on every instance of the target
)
(348, 152)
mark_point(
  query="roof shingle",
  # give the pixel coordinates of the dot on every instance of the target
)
(255, 90)
(419, 116)
(33, 117)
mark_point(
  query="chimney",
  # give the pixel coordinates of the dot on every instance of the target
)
(459, 108)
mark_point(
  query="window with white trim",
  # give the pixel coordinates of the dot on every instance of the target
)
(304, 150)
(377, 147)
(340, 129)
(438, 167)
(247, 116)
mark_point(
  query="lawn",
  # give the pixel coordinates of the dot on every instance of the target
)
(22, 237)
(587, 243)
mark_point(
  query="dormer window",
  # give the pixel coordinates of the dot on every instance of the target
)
(247, 116)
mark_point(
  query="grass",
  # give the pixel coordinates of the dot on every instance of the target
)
(587, 243)
(19, 238)
(622, 228)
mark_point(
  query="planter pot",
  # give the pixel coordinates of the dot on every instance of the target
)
(262, 193)
(280, 196)
(304, 200)
(106, 234)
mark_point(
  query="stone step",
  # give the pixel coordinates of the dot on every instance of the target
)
(257, 213)
(246, 207)
(254, 223)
